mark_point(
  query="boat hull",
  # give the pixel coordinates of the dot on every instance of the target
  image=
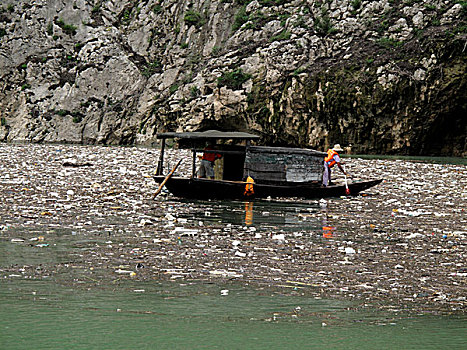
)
(219, 189)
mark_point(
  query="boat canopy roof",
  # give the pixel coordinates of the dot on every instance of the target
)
(209, 134)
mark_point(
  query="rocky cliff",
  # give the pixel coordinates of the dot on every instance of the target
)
(386, 76)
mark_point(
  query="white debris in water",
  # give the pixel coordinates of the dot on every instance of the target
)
(181, 231)
(279, 237)
(170, 217)
(405, 236)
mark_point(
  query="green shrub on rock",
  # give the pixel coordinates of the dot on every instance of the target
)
(69, 29)
(194, 18)
(233, 80)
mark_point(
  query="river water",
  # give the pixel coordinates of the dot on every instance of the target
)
(89, 260)
(44, 315)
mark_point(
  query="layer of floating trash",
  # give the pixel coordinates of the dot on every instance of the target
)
(85, 214)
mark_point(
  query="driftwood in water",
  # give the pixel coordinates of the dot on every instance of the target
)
(75, 164)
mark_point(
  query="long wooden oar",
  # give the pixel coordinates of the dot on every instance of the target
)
(169, 175)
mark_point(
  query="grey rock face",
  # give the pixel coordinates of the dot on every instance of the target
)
(384, 76)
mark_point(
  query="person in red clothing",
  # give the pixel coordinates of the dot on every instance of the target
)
(206, 168)
(332, 159)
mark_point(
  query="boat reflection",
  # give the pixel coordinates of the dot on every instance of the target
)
(265, 215)
(328, 231)
(248, 213)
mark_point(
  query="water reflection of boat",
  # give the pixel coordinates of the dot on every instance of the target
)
(276, 171)
(248, 213)
(264, 215)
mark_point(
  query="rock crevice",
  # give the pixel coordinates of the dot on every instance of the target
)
(383, 76)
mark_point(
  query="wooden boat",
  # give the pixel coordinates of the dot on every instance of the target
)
(277, 172)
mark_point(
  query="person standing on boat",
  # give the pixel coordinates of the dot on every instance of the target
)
(331, 160)
(206, 168)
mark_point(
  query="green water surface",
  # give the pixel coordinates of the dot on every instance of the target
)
(152, 315)
(63, 312)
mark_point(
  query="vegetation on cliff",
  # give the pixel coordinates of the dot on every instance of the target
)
(385, 76)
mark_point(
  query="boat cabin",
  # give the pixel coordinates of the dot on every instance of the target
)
(240, 159)
(281, 165)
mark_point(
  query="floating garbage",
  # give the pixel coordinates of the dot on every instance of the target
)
(145, 222)
(181, 231)
(402, 237)
(279, 237)
(42, 245)
(240, 254)
(170, 217)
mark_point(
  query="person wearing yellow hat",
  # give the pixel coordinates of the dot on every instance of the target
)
(329, 161)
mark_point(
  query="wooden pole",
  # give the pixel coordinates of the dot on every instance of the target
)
(160, 165)
(166, 179)
(347, 191)
(193, 165)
